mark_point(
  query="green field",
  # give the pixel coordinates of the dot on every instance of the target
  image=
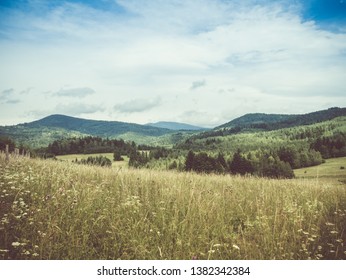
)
(61, 210)
(332, 169)
(115, 164)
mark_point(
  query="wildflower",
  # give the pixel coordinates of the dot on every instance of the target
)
(236, 247)
(15, 244)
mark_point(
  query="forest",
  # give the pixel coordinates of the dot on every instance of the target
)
(271, 154)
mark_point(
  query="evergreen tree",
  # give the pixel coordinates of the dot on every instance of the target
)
(240, 165)
(189, 163)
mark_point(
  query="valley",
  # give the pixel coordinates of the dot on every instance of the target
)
(242, 192)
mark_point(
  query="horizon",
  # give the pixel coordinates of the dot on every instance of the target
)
(200, 62)
(165, 121)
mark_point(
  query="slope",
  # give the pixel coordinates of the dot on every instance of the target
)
(44, 131)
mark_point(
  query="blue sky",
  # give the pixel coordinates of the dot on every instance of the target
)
(203, 62)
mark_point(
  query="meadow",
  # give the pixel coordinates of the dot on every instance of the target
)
(61, 210)
(332, 169)
(78, 157)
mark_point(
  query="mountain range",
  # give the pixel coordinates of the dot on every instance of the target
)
(44, 131)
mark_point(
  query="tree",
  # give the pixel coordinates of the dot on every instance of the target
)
(240, 165)
(275, 168)
(290, 155)
(221, 160)
(6, 141)
(117, 156)
(189, 163)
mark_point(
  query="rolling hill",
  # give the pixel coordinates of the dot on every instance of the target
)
(94, 127)
(256, 122)
(44, 131)
(277, 121)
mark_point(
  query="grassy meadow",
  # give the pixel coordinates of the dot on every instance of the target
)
(332, 169)
(115, 164)
(61, 210)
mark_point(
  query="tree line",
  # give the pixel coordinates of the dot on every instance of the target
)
(89, 145)
(266, 165)
(271, 163)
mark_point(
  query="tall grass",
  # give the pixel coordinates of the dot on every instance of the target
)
(59, 210)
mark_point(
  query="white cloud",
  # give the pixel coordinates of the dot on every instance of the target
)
(6, 93)
(198, 84)
(75, 92)
(137, 105)
(77, 109)
(204, 119)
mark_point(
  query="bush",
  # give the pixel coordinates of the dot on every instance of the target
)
(99, 160)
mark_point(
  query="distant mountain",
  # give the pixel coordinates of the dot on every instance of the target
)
(44, 131)
(99, 128)
(175, 126)
(277, 121)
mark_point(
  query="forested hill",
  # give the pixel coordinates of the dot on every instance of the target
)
(42, 132)
(256, 122)
(94, 127)
(277, 121)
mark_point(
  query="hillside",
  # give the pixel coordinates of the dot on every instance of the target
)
(93, 127)
(175, 126)
(277, 121)
(304, 136)
(44, 131)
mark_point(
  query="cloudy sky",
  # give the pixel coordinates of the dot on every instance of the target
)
(202, 62)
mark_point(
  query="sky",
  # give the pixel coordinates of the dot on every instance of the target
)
(202, 62)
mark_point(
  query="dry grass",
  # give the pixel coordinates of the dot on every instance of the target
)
(60, 210)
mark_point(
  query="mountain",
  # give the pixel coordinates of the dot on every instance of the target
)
(256, 122)
(175, 126)
(277, 121)
(99, 128)
(256, 118)
(44, 131)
